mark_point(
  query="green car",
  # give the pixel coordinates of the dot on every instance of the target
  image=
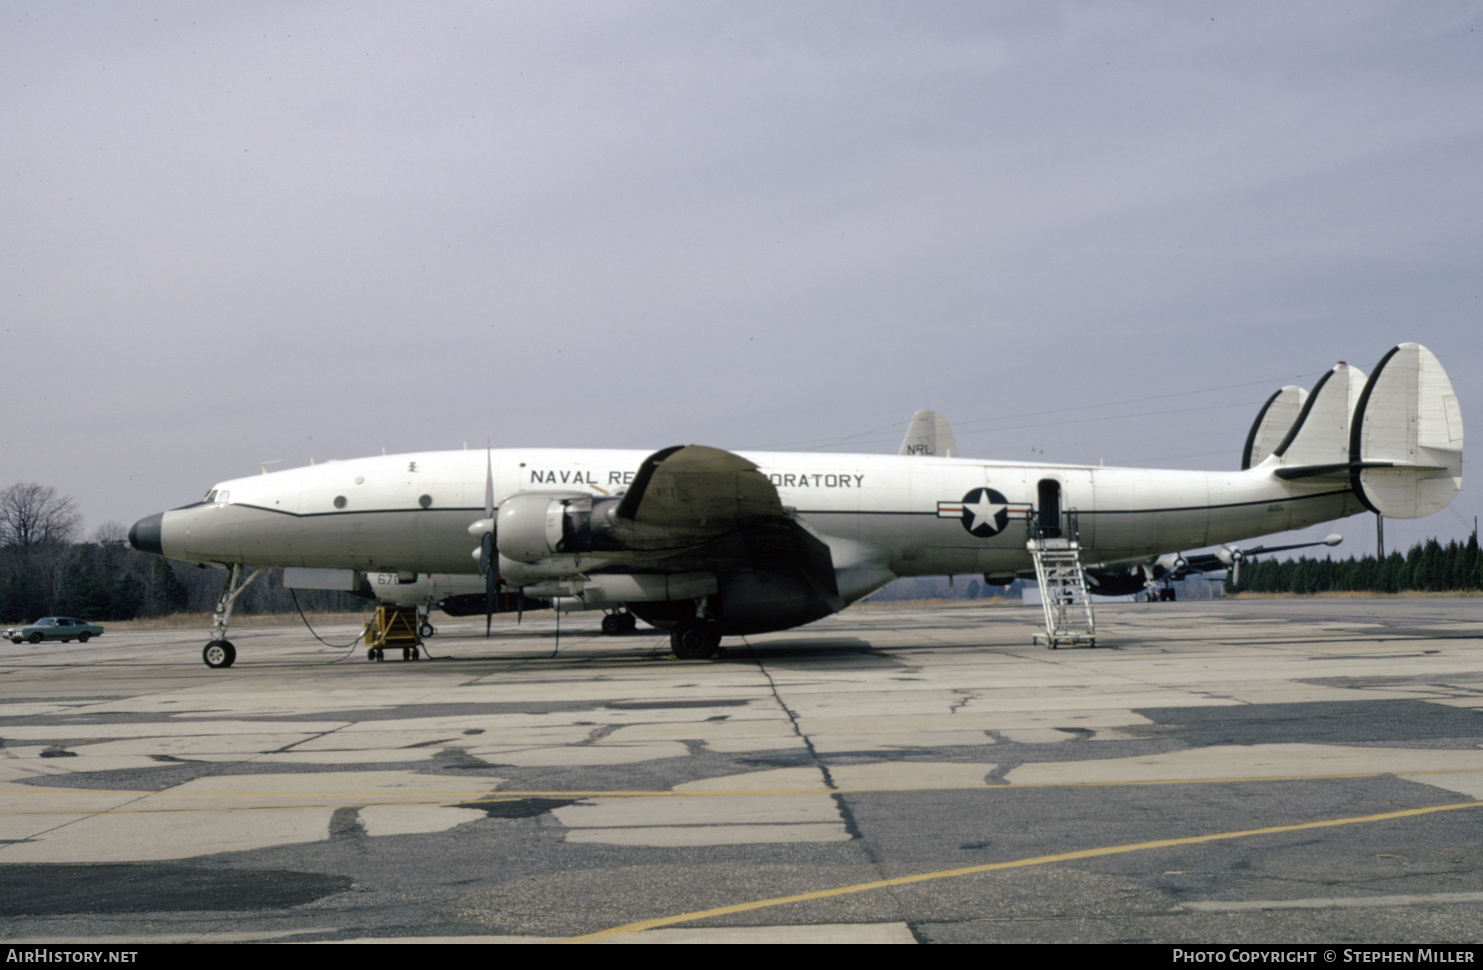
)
(63, 628)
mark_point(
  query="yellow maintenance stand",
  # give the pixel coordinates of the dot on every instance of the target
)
(394, 626)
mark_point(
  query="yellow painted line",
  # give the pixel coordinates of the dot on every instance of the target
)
(650, 924)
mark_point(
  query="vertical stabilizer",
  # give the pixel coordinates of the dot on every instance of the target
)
(929, 435)
(1406, 444)
(1272, 423)
(1320, 435)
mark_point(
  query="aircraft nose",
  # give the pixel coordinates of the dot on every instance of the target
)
(144, 535)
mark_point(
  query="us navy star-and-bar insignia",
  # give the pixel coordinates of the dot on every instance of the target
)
(984, 512)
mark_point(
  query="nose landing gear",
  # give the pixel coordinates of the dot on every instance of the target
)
(219, 652)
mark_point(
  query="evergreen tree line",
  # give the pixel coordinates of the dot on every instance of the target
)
(109, 580)
(1429, 566)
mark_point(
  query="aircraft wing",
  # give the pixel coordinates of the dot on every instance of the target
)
(1206, 563)
(1120, 579)
(1231, 558)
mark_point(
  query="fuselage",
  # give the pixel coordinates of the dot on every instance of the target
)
(910, 516)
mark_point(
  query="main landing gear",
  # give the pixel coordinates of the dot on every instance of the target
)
(695, 639)
(219, 652)
(617, 624)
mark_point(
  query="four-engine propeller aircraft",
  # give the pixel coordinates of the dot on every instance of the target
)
(707, 543)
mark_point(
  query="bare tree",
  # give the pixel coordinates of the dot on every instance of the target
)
(111, 533)
(34, 515)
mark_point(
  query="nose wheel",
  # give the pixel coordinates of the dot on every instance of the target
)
(219, 653)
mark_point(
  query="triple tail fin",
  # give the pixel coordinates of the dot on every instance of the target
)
(1395, 439)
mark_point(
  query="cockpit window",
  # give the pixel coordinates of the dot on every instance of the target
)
(223, 497)
(211, 495)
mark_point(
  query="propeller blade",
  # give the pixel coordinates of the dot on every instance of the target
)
(491, 581)
(488, 482)
(486, 557)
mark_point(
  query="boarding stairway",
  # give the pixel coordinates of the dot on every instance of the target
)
(1062, 578)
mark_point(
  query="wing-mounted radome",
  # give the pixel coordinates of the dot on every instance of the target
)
(1272, 423)
(1405, 448)
(698, 490)
(929, 435)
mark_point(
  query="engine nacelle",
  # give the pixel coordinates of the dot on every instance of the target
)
(534, 526)
(1117, 581)
(528, 527)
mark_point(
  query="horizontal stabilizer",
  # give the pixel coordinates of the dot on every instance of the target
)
(929, 435)
(1272, 423)
(1320, 435)
(1344, 469)
(1405, 446)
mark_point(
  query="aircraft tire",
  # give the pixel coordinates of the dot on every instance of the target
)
(219, 654)
(694, 640)
(630, 622)
(426, 630)
(612, 624)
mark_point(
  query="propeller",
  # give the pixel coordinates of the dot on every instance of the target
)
(487, 564)
(1236, 556)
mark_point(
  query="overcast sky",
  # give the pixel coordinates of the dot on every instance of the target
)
(233, 233)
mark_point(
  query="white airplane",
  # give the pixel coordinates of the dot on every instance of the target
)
(706, 543)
